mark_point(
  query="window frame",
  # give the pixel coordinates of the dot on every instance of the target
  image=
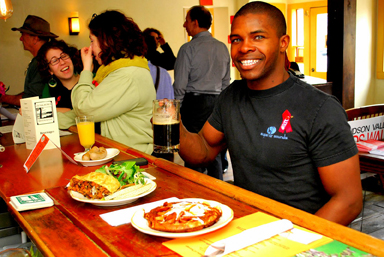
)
(380, 40)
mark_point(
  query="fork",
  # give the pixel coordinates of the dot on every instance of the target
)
(219, 250)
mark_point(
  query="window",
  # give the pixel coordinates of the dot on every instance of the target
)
(297, 34)
(380, 40)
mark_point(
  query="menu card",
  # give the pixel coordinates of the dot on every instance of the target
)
(286, 244)
(369, 145)
(40, 117)
(334, 248)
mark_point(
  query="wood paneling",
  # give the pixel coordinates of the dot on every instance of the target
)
(341, 50)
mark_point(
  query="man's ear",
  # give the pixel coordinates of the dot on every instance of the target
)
(284, 43)
(35, 39)
(196, 23)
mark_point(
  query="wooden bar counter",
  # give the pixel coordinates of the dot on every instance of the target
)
(72, 228)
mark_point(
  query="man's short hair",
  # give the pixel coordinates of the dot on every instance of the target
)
(273, 12)
(202, 15)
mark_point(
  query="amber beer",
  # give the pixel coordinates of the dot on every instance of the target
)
(166, 126)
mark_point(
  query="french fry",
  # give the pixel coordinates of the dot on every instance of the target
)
(131, 191)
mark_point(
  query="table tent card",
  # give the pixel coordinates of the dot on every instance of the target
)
(40, 117)
(18, 130)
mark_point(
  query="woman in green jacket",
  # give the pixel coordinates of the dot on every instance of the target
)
(120, 96)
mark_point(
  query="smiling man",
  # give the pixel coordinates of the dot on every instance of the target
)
(35, 32)
(287, 140)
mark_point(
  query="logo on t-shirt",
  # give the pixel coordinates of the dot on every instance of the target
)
(286, 124)
(284, 128)
(271, 130)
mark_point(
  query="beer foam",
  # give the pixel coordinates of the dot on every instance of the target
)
(165, 122)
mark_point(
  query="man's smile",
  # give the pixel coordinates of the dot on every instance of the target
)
(248, 62)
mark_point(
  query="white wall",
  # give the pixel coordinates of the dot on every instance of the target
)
(365, 51)
(165, 15)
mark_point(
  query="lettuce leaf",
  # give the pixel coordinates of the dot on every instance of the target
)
(126, 173)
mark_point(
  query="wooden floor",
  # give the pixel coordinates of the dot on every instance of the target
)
(370, 220)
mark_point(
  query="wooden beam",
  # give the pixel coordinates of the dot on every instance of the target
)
(341, 50)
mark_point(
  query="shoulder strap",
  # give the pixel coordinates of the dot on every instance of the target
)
(157, 77)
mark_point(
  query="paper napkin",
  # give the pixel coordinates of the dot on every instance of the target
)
(124, 216)
(251, 236)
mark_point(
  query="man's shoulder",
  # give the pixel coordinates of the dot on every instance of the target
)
(309, 89)
(185, 47)
(236, 87)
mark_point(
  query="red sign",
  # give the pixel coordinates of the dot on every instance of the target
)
(36, 152)
(206, 2)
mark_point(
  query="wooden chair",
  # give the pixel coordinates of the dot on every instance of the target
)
(365, 112)
(360, 113)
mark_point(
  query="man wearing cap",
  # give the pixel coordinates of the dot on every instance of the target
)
(35, 32)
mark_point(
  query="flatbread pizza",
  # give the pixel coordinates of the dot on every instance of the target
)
(183, 216)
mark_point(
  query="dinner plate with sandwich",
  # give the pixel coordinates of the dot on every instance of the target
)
(113, 185)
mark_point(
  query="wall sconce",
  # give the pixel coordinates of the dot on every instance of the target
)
(74, 23)
(6, 9)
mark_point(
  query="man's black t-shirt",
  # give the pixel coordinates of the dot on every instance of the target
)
(278, 137)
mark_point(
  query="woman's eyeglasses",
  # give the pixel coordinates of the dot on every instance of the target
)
(54, 61)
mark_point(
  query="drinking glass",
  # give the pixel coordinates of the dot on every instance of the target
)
(166, 126)
(86, 131)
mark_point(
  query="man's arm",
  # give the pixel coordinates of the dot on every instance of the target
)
(201, 148)
(12, 99)
(227, 77)
(182, 70)
(342, 181)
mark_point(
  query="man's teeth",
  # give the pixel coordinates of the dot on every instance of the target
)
(249, 62)
(66, 68)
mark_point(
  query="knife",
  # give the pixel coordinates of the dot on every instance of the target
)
(249, 237)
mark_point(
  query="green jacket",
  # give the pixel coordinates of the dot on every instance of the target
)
(122, 102)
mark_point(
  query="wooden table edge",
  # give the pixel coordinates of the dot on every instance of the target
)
(314, 223)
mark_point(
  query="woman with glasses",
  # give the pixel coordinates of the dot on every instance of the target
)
(120, 96)
(59, 66)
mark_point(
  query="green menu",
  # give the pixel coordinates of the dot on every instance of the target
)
(334, 249)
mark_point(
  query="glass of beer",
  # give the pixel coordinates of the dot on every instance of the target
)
(166, 126)
(86, 131)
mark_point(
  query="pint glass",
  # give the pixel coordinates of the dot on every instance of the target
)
(166, 126)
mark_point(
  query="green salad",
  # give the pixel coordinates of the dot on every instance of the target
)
(126, 173)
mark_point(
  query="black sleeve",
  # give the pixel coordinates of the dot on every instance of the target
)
(166, 59)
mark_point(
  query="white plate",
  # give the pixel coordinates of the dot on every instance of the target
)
(140, 223)
(111, 152)
(79, 197)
